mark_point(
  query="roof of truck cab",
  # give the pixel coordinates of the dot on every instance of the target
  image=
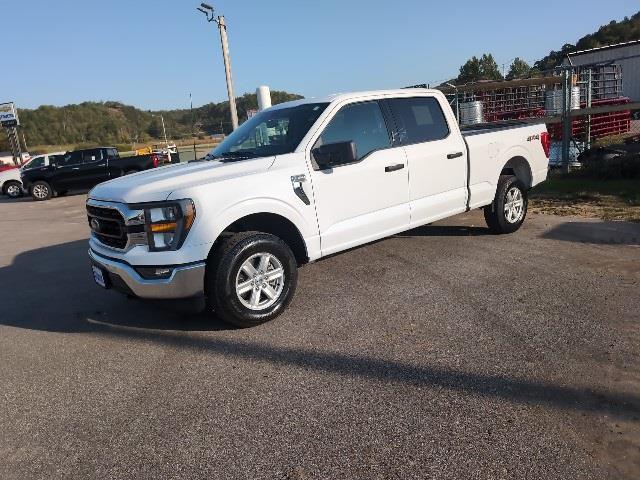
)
(337, 97)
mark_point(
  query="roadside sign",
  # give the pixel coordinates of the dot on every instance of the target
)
(8, 115)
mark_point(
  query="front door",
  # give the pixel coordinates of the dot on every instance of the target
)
(437, 157)
(365, 200)
(67, 173)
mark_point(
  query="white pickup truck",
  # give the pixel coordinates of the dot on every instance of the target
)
(300, 181)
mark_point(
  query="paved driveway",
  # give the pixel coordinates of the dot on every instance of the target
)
(441, 353)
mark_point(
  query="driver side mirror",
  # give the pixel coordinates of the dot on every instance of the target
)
(335, 154)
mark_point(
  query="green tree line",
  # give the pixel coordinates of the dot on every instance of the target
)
(112, 123)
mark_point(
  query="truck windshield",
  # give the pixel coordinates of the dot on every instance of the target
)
(272, 132)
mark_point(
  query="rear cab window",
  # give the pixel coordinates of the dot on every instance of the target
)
(418, 119)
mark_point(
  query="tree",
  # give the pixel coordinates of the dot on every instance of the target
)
(614, 32)
(470, 71)
(518, 69)
(489, 69)
(154, 129)
(476, 69)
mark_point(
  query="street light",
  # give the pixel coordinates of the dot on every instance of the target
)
(209, 13)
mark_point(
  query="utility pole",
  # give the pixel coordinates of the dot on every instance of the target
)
(222, 26)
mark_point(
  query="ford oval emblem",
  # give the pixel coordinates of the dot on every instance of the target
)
(95, 224)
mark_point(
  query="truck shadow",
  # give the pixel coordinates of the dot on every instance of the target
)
(51, 289)
(600, 233)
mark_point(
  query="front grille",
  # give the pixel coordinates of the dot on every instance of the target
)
(110, 225)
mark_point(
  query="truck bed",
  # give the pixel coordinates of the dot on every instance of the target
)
(480, 128)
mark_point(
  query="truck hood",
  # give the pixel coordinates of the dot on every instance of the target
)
(157, 184)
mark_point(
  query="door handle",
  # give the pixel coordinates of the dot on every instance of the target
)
(454, 155)
(75, 168)
(393, 168)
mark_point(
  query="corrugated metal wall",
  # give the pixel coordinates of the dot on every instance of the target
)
(628, 57)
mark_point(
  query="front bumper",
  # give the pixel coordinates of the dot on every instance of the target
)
(185, 281)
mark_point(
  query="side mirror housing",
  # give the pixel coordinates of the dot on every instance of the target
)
(333, 154)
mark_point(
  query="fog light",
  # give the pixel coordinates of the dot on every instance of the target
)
(154, 273)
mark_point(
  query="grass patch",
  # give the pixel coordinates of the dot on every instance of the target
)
(585, 197)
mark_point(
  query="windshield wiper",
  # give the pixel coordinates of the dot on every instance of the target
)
(236, 156)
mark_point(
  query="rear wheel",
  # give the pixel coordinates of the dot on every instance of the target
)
(509, 208)
(251, 278)
(41, 190)
(12, 189)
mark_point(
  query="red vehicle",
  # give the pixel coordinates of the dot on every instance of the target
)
(6, 167)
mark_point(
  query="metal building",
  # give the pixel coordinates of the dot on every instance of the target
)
(627, 55)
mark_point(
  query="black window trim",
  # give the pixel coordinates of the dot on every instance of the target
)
(396, 130)
(387, 122)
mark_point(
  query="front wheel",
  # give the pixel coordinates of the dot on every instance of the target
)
(41, 191)
(13, 189)
(509, 208)
(251, 278)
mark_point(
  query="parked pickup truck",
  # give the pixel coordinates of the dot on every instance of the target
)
(81, 169)
(301, 181)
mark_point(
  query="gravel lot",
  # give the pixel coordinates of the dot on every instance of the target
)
(441, 353)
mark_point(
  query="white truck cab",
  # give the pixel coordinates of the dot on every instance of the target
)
(300, 181)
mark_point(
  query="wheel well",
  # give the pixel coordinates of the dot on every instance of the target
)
(275, 225)
(519, 167)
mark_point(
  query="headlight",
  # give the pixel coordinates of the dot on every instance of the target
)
(167, 224)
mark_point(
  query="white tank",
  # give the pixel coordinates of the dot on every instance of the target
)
(554, 98)
(471, 113)
(264, 97)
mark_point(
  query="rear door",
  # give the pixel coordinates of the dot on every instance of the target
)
(94, 167)
(437, 157)
(365, 200)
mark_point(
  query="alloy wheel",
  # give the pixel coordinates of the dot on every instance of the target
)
(260, 281)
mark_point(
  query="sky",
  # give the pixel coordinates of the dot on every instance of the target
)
(153, 53)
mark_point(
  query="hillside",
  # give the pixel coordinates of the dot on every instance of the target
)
(115, 123)
(614, 32)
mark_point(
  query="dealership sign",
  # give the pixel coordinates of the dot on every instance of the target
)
(8, 115)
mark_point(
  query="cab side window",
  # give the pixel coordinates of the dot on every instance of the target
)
(71, 158)
(361, 123)
(418, 119)
(91, 156)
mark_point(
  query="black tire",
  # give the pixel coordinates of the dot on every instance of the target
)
(223, 273)
(129, 172)
(41, 191)
(12, 189)
(61, 193)
(500, 221)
